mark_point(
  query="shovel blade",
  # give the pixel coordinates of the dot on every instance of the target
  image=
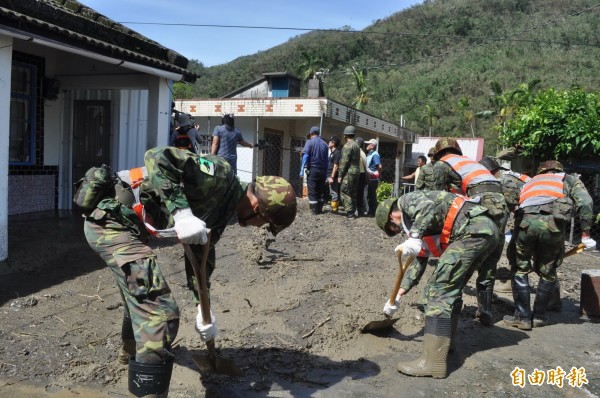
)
(217, 365)
(377, 326)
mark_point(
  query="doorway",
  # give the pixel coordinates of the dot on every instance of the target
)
(91, 136)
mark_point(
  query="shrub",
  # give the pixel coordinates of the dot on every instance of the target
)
(384, 191)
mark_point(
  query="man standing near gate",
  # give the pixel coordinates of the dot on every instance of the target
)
(315, 160)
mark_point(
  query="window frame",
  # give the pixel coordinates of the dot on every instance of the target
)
(30, 98)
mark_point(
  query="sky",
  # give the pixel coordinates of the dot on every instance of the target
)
(217, 45)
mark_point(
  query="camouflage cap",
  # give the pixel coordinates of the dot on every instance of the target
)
(446, 143)
(382, 214)
(491, 164)
(276, 202)
(431, 151)
(550, 165)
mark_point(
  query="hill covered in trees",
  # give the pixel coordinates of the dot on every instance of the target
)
(449, 67)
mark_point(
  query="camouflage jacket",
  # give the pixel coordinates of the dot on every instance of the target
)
(350, 161)
(426, 179)
(204, 183)
(576, 198)
(511, 188)
(424, 214)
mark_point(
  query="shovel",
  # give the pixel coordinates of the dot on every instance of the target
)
(375, 326)
(211, 362)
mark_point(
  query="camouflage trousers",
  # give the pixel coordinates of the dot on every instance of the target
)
(148, 300)
(348, 191)
(537, 245)
(464, 255)
(498, 210)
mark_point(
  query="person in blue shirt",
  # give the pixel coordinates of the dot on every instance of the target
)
(315, 159)
(225, 140)
(374, 170)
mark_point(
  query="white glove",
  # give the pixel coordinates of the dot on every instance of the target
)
(206, 332)
(590, 244)
(190, 229)
(508, 236)
(389, 309)
(410, 248)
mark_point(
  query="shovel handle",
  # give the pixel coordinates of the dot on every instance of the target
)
(200, 274)
(577, 249)
(400, 276)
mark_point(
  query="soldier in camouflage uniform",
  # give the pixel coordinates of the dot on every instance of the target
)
(545, 206)
(349, 172)
(512, 183)
(190, 194)
(426, 179)
(464, 234)
(467, 177)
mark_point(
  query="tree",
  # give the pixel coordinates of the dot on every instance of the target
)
(360, 81)
(310, 66)
(430, 117)
(464, 105)
(181, 91)
(557, 125)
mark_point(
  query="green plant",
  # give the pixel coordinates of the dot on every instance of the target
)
(384, 191)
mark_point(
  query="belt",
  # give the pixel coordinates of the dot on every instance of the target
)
(484, 188)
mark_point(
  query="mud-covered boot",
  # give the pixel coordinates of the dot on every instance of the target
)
(128, 346)
(456, 309)
(149, 380)
(545, 290)
(522, 317)
(555, 303)
(436, 343)
(484, 306)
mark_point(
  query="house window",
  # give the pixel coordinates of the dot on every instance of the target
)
(22, 114)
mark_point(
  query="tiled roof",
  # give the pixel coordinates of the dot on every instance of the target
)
(74, 24)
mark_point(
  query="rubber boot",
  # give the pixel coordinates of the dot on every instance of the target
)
(128, 345)
(555, 303)
(502, 284)
(456, 309)
(149, 380)
(484, 306)
(543, 296)
(313, 208)
(320, 207)
(334, 206)
(522, 317)
(436, 343)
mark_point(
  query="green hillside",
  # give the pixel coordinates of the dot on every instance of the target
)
(435, 63)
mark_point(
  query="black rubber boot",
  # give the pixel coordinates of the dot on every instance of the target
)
(555, 303)
(484, 306)
(128, 345)
(436, 343)
(313, 208)
(320, 207)
(522, 317)
(545, 290)
(150, 380)
(456, 309)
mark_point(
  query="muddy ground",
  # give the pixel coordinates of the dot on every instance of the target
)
(289, 312)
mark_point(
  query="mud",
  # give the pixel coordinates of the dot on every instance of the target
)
(289, 312)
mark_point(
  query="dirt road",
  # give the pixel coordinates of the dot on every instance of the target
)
(289, 312)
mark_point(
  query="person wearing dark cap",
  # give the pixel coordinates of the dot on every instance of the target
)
(335, 155)
(315, 161)
(185, 135)
(363, 180)
(349, 172)
(426, 179)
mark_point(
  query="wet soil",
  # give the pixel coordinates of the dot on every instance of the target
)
(289, 312)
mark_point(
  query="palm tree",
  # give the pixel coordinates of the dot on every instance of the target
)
(464, 105)
(430, 117)
(360, 81)
(310, 66)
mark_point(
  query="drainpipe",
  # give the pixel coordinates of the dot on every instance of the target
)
(255, 157)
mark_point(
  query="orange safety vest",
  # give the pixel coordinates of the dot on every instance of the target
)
(522, 177)
(435, 245)
(542, 189)
(134, 178)
(470, 171)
